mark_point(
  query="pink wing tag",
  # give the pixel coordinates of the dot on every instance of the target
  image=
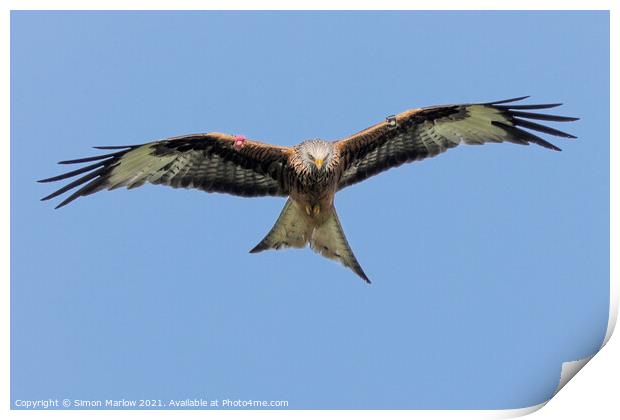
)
(239, 141)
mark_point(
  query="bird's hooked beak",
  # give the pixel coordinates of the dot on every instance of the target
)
(318, 163)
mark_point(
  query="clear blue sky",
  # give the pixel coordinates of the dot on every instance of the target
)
(490, 265)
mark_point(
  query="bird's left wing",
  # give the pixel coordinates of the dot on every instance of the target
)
(212, 162)
(425, 132)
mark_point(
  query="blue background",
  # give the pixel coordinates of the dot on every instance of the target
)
(490, 265)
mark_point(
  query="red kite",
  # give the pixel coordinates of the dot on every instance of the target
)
(310, 173)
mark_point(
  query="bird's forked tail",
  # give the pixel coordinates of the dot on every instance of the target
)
(294, 229)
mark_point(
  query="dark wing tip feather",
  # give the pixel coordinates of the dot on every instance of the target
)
(77, 171)
(519, 119)
(505, 101)
(535, 106)
(76, 183)
(88, 159)
(92, 180)
(85, 190)
(115, 147)
(541, 128)
(519, 134)
(543, 117)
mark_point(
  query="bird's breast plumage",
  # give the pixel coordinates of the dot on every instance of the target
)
(315, 185)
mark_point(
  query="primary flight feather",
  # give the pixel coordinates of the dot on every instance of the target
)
(310, 173)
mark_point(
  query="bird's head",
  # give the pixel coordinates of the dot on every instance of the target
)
(316, 155)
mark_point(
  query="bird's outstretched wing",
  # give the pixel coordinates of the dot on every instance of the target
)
(212, 162)
(425, 132)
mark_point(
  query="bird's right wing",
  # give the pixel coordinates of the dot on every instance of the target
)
(425, 132)
(212, 162)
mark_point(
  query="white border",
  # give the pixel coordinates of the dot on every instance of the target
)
(569, 369)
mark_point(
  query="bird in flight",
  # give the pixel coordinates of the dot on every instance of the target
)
(312, 172)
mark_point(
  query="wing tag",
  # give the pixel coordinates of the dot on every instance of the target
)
(391, 120)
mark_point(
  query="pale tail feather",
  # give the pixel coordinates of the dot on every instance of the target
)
(329, 241)
(292, 229)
